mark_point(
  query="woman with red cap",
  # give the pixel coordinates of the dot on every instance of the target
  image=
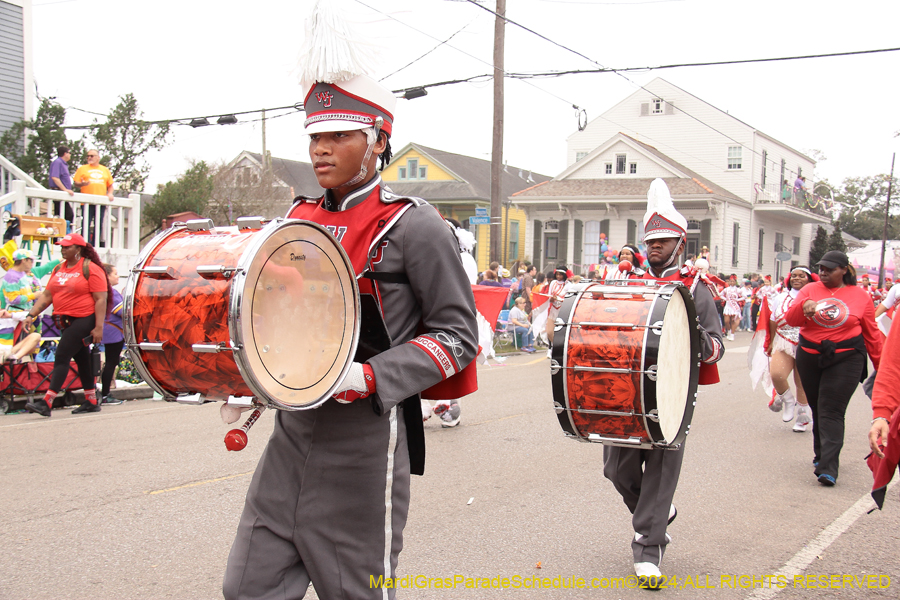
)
(79, 292)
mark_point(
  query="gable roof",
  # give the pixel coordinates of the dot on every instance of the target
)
(691, 184)
(294, 173)
(473, 178)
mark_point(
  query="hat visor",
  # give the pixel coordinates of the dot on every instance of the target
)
(65, 243)
(827, 264)
(660, 235)
(335, 125)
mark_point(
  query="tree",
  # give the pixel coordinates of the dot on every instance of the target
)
(124, 140)
(244, 192)
(190, 192)
(46, 132)
(861, 201)
(836, 240)
(819, 246)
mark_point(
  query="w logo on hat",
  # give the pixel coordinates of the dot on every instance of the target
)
(324, 98)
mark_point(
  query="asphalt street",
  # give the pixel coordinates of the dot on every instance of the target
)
(142, 501)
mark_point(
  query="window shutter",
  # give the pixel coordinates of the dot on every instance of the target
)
(604, 228)
(705, 232)
(563, 250)
(536, 244)
(631, 237)
(645, 109)
(669, 109)
(577, 242)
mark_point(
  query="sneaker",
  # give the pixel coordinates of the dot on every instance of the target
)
(804, 418)
(111, 400)
(449, 412)
(87, 407)
(790, 404)
(826, 480)
(648, 575)
(730, 337)
(40, 407)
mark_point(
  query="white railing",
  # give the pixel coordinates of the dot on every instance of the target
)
(775, 193)
(117, 240)
(10, 172)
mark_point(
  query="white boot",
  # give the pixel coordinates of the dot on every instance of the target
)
(776, 403)
(789, 404)
(804, 418)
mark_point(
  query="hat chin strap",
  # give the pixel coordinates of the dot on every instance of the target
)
(372, 138)
(674, 254)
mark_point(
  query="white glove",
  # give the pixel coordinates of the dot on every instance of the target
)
(231, 413)
(356, 384)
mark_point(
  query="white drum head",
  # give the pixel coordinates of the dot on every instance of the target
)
(674, 368)
(298, 317)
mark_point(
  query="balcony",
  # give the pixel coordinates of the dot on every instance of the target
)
(801, 207)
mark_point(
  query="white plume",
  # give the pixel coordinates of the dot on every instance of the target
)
(333, 49)
(658, 198)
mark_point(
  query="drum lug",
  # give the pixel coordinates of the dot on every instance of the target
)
(554, 366)
(220, 347)
(250, 222)
(652, 372)
(558, 324)
(246, 401)
(156, 272)
(653, 415)
(190, 399)
(559, 408)
(200, 224)
(216, 271)
(155, 346)
(657, 328)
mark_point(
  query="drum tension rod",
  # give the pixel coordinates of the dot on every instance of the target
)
(216, 271)
(156, 272)
(220, 347)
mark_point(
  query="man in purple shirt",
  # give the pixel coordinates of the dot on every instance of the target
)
(61, 180)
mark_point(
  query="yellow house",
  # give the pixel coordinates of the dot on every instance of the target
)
(458, 186)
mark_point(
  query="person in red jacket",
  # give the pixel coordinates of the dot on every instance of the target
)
(837, 333)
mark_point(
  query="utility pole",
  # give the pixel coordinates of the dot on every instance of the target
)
(497, 145)
(887, 213)
(265, 155)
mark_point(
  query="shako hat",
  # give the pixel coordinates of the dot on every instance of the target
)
(334, 67)
(661, 219)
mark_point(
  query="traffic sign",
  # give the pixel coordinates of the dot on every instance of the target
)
(479, 220)
(481, 212)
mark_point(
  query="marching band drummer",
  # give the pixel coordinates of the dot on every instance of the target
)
(647, 479)
(329, 499)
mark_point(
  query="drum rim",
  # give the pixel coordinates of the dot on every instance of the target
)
(128, 316)
(236, 306)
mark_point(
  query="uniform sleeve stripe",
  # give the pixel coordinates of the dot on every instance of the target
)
(716, 353)
(437, 353)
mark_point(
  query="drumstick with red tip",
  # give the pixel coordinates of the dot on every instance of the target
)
(236, 439)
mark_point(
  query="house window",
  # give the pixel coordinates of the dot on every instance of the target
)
(580, 155)
(551, 246)
(423, 172)
(759, 251)
(401, 172)
(796, 241)
(735, 239)
(620, 164)
(512, 236)
(656, 106)
(609, 168)
(632, 168)
(413, 165)
(592, 242)
(734, 158)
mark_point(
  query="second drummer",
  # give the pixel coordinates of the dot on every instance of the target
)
(647, 479)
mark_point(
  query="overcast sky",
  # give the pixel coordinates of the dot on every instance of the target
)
(190, 58)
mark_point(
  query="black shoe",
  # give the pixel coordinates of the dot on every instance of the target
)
(107, 399)
(87, 407)
(40, 407)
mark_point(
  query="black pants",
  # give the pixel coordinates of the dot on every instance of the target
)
(828, 392)
(754, 313)
(113, 351)
(70, 214)
(71, 347)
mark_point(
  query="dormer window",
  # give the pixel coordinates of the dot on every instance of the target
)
(656, 106)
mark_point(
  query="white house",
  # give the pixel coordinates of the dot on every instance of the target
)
(16, 79)
(724, 175)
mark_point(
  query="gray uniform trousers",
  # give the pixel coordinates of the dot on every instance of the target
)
(646, 479)
(327, 504)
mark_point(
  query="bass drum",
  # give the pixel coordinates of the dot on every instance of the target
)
(266, 312)
(626, 363)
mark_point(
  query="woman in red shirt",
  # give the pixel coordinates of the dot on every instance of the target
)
(837, 332)
(79, 293)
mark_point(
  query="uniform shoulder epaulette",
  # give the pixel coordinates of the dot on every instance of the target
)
(389, 197)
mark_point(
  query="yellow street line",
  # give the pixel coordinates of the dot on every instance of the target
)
(196, 483)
